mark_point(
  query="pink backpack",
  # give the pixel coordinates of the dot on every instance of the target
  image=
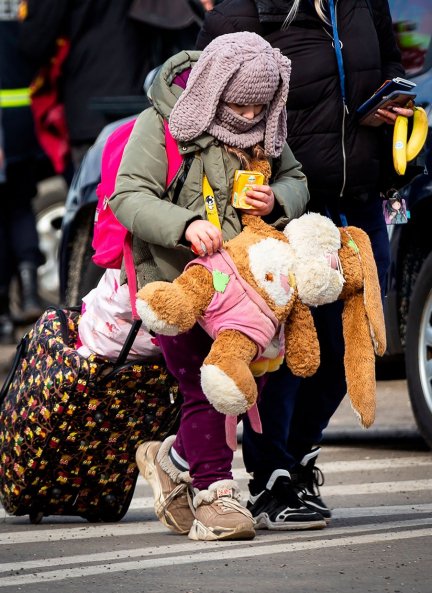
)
(109, 235)
(111, 240)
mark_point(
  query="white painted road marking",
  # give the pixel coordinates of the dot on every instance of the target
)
(226, 553)
(188, 546)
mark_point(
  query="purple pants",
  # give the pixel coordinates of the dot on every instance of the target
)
(201, 436)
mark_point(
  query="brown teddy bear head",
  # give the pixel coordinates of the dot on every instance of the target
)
(263, 258)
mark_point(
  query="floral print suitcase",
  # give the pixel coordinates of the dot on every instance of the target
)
(69, 426)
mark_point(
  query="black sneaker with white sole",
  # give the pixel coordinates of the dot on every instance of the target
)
(306, 479)
(278, 507)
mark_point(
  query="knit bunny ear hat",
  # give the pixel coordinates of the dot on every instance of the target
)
(238, 68)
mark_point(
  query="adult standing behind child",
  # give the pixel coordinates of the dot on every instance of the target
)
(113, 46)
(342, 161)
(231, 115)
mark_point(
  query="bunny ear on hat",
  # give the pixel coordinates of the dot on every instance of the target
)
(196, 108)
(276, 127)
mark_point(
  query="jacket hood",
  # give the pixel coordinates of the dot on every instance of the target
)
(163, 93)
(272, 10)
(276, 11)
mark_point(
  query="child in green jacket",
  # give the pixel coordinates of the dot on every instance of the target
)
(226, 110)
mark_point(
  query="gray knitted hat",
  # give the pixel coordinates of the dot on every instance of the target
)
(238, 68)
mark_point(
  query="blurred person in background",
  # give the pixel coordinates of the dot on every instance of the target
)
(2, 161)
(19, 249)
(113, 46)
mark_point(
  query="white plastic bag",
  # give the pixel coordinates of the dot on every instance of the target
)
(107, 320)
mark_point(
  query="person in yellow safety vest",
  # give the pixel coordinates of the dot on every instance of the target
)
(2, 171)
(19, 249)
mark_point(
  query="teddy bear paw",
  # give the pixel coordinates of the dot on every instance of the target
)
(223, 392)
(153, 322)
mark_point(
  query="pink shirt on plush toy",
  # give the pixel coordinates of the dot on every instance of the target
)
(235, 304)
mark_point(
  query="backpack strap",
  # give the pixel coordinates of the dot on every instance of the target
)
(130, 273)
(174, 157)
(175, 161)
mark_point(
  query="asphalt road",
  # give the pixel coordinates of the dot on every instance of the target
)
(378, 483)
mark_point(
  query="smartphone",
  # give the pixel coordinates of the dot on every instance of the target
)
(243, 181)
(367, 110)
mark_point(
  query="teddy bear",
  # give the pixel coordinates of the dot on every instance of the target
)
(253, 297)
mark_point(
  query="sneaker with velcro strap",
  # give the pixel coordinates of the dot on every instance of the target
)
(219, 515)
(307, 479)
(172, 488)
(278, 507)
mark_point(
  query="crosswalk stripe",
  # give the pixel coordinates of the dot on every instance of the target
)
(142, 502)
(146, 502)
(230, 552)
(357, 465)
(331, 467)
(180, 548)
(190, 546)
(142, 528)
(377, 487)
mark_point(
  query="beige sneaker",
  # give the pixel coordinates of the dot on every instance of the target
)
(219, 514)
(170, 486)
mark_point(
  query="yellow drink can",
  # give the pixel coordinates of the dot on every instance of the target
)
(243, 181)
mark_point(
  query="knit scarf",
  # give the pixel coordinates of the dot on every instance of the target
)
(235, 130)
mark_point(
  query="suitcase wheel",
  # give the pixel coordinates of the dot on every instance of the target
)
(36, 517)
(103, 517)
(92, 518)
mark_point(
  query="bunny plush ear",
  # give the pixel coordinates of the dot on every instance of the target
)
(276, 127)
(205, 85)
(359, 359)
(371, 290)
(363, 321)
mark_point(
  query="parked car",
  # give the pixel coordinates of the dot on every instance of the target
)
(408, 307)
(49, 208)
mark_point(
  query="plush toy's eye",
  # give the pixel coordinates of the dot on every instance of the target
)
(269, 277)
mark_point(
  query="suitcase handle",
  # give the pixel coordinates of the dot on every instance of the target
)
(21, 350)
(122, 357)
(129, 342)
(64, 326)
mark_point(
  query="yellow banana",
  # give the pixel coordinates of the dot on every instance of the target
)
(400, 134)
(404, 149)
(418, 135)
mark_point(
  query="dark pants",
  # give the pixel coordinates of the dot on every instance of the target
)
(18, 234)
(294, 412)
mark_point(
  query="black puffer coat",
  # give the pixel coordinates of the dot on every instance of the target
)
(338, 157)
(19, 139)
(109, 56)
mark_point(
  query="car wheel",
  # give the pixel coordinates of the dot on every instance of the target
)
(83, 274)
(49, 210)
(418, 351)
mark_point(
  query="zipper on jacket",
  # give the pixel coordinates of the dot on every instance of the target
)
(344, 106)
(344, 159)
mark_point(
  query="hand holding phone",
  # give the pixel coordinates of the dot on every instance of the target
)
(396, 92)
(395, 99)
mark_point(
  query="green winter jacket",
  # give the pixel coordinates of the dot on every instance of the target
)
(141, 204)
